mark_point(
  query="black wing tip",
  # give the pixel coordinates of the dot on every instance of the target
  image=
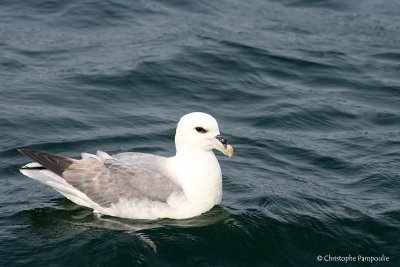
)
(53, 162)
(25, 151)
(33, 168)
(30, 152)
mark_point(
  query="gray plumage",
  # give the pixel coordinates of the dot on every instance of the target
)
(107, 180)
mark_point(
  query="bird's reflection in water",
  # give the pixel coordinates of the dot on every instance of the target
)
(81, 219)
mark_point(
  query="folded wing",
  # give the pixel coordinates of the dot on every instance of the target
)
(106, 180)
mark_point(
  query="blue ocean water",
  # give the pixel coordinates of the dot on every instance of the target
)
(307, 91)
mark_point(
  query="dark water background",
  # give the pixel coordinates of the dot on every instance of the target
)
(308, 91)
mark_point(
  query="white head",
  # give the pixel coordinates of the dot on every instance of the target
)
(199, 131)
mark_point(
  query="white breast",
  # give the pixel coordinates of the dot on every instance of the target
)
(201, 179)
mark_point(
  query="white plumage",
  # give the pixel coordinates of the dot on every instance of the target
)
(142, 186)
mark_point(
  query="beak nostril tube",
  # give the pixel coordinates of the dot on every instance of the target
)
(221, 139)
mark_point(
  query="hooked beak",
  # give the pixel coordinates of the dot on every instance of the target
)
(219, 142)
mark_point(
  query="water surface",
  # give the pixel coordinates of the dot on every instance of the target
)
(307, 91)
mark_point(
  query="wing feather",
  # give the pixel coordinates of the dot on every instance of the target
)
(55, 163)
(107, 180)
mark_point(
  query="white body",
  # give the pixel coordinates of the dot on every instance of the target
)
(194, 169)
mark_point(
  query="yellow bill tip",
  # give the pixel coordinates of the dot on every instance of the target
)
(230, 151)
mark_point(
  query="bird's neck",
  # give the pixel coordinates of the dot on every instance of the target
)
(200, 175)
(196, 163)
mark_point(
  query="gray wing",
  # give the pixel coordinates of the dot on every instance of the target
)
(125, 176)
(107, 180)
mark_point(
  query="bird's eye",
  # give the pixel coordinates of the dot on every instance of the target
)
(200, 130)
